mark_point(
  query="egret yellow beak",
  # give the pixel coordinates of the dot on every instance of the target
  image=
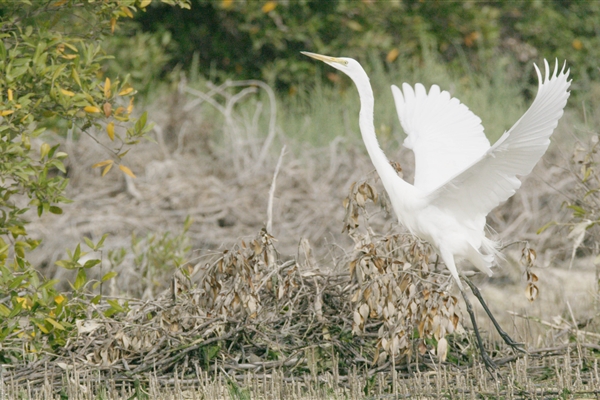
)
(323, 58)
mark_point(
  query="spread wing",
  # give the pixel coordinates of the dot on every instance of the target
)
(492, 179)
(445, 136)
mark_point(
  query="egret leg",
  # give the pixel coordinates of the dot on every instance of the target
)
(487, 360)
(507, 339)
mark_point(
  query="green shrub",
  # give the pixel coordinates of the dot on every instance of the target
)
(249, 39)
(51, 82)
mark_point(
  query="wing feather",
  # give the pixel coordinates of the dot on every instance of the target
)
(445, 136)
(492, 178)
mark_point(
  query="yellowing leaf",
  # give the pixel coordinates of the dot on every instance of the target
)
(392, 55)
(127, 11)
(91, 109)
(27, 143)
(145, 3)
(67, 92)
(58, 3)
(55, 324)
(69, 45)
(102, 163)
(42, 327)
(110, 129)
(25, 302)
(471, 38)
(126, 91)
(577, 44)
(355, 26)
(107, 88)
(69, 56)
(119, 110)
(10, 95)
(6, 112)
(59, 299)
(226, 3)
(269, 6)
(127, 171)
(106, 169)
(113, 24)
(130, 106)
(44, 150)
(107, 107)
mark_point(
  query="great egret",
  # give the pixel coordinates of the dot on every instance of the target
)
(459, 177)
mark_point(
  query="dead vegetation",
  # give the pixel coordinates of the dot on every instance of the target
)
(253, 321)
(301, 310)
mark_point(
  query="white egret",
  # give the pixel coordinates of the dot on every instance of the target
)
(459, 178)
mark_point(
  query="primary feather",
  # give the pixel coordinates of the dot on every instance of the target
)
(492, 178)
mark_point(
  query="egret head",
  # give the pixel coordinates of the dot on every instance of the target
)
(348, 66)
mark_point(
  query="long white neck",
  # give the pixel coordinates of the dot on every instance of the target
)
(396, 187)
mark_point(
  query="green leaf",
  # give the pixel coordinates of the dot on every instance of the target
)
(115, 304)
(101, 242)
(91, 263)
(89, 243)
(58, 165)
(53, 150)
(141, 122)
(212, 351)
(75, 76)
(577, 210)
(16, 282)
(16, 310)
(49, 284)
(66, 264)
(81, 279)
(2, 51)
(4, 311)
(109, 275)
(77, 253)
(56, 210)
(548, 225)
(3, 246)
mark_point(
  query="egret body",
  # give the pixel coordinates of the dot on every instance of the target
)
(459, 176)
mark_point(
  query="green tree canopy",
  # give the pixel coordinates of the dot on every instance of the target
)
(250, 39)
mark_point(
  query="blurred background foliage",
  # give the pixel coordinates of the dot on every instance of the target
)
(262, 39)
